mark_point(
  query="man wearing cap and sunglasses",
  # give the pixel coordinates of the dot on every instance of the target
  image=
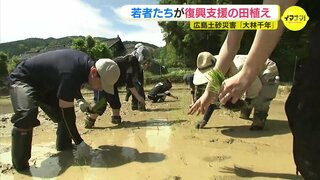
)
(259, 95)
(52, 81)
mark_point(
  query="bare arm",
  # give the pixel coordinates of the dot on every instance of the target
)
(137, 95)
(262, 47)
(228, 51)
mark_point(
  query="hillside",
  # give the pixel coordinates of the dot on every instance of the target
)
(36, 45)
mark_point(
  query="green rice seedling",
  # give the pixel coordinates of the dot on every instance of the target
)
(216, 79)
(99, 107)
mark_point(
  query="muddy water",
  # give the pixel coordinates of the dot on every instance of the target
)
(163, 144)
(5, 105)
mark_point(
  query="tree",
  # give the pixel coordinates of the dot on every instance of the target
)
(3, 64)
(94, 48)
(90, 42)
(79, 44)
(101, 50)
(188, 43)
(12, 64)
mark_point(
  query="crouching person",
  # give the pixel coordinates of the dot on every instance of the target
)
(52, 81)
(260, 104)
(129, 69)
(258, 96)
(160, 91)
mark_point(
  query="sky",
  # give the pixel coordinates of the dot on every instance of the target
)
(22, 19)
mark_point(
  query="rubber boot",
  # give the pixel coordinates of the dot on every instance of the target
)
(259, 120)
(246, 109)
(200, 124)
(116, 119)
(63, 141)
(141, 107)
(134, 107)
(21, 149)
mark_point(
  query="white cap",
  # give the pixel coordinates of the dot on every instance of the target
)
(205, 63)
(109, 74)
(137, 45)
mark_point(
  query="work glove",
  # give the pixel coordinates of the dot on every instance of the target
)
(83, 105)
(83, 150)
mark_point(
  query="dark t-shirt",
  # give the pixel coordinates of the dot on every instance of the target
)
(129, 69)
(160, 88)
(60, 72)
(189, 80)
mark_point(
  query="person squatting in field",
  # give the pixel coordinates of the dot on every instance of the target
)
(160, 91)
(258, 96)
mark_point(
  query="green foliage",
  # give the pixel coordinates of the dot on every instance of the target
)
(38, 45)
(183, 43)
(100, 50)
(12, 64)
(17, 48)
(90, 42)
(79, 44)
(294, 45)
(174, 76)
(3, 64)
(170, 58)
(93, 47)
(186, 43)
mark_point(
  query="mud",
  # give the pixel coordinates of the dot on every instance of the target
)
(162, 143)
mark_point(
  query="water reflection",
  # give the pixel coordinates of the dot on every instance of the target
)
(159, 139)
(104, 157)
(156, 137)
(5, 107)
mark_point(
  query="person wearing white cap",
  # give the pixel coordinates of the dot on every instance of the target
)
(52, 81)
(258, 96)
(129, 68)
(144, 57)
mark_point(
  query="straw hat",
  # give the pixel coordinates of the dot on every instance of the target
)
(205, 62)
